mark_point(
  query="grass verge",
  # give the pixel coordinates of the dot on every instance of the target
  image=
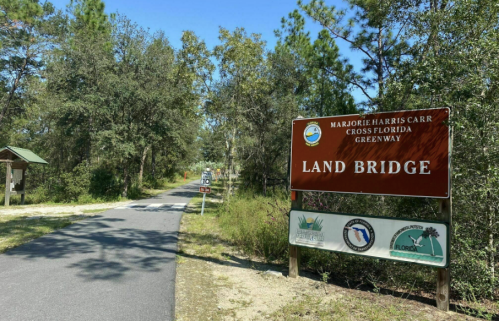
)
(39, 198)
(227, 285)
(19, 229)
(345, 308)
(199, 246)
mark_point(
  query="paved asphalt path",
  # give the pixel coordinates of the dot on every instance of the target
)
(119, 265)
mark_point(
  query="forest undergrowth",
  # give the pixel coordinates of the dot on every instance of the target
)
(258, 225)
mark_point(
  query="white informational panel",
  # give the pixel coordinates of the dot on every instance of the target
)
(206, 178)
(17, 178)
(421, 242)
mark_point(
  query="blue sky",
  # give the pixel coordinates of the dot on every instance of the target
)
(205, 18)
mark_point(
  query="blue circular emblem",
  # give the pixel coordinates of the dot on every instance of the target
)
(358, 235)
(312, 134)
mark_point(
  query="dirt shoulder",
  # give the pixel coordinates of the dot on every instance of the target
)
(56, 209)
(217, 282)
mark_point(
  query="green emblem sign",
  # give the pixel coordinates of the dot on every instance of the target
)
(418, 243)
(397, 239)
(309, 231)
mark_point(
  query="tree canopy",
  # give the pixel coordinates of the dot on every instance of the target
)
(114, 107)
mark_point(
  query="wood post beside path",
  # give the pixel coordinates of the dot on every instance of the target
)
(8, 180)
(23, 183)
(295, 251)
(443, 275)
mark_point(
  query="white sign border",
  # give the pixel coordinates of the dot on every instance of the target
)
(360, 193)
(361, 216)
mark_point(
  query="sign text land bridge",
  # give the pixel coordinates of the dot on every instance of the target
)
(404, 153)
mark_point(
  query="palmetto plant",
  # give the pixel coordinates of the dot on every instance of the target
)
(428, 233)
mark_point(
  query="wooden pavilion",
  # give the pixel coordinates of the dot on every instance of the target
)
(17, 161)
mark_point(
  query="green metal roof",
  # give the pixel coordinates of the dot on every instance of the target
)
(24, 154)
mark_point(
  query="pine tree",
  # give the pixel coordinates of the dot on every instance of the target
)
(326, 91)
(22, 42)
(90, 13)
(373, 29)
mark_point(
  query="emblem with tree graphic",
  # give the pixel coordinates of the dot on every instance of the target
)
(417, 243)
(430, 232)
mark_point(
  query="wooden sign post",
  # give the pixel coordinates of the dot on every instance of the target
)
(17, 159)
(445, 215)
(443, 275)
(400, 153)
(8, 180)
(295, 251)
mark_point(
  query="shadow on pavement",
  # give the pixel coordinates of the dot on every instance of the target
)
(119, 250)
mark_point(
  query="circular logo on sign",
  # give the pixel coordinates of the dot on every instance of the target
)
(312, 134)
(358, 235)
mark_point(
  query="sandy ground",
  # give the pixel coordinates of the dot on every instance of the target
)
(216, 282)
(240, 289)
(44, 210)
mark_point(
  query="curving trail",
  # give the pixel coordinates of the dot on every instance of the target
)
(119, 265)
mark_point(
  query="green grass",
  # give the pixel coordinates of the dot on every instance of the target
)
(258, 225)
(99, 210)
(350, 307)
(40, 197)
(17, 229)
(203, 236)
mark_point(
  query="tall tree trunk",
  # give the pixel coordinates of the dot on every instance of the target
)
(264, 167)
(491, 215)
(380, 70)
(142, 163)
(89, 143)
(153, 162)
(491, 246)
(19, 75)
(231, 159)
(125, 180)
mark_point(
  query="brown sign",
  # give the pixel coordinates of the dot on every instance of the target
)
(204, 189)
(402, 153)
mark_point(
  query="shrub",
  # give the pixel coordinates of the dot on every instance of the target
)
(258, 225)
(75, 183)
(104, 183)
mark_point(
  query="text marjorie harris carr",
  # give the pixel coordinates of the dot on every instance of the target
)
(402, 125)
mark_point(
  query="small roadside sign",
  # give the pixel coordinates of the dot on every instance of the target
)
(206, 178)
(204, 189)
(205, 181)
